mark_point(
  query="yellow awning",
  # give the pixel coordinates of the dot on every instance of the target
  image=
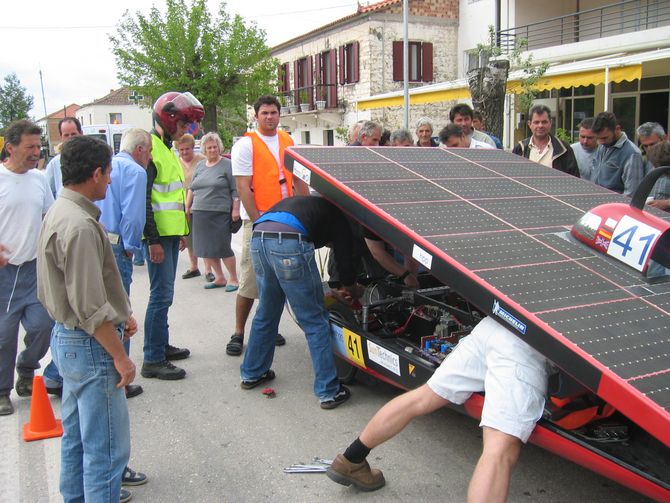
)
(572, 79)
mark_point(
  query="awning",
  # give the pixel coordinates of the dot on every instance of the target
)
(580, 73)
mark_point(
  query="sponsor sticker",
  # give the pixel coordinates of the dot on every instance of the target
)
(508, 317)
(422, 256)
(632, 242)
(302, 172)
(610, 223)
(384, 357)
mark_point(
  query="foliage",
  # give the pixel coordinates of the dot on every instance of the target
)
(563, 134)
(15, 102)
(342, 134)
(222, 61)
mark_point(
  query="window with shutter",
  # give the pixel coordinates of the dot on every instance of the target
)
(420, 55)
(349, 63)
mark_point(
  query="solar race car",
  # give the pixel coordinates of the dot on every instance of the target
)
(573, 269)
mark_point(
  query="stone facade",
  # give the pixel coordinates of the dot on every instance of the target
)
(375, 28)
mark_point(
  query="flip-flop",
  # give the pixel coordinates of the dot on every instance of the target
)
(210, 286)
(231, 288)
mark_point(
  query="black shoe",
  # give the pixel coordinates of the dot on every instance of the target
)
(341, 397)
(6, 407)
(133, 390)
(125, 496)
(234, 347)
(173, 353)
(252, 383)
(133, 478)
(55, 390)
(191, 274)
(280, 340)
(162, 370)
(24, 385)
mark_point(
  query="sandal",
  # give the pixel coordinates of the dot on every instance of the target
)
(133, 478)
(234, 347)
(252, 383)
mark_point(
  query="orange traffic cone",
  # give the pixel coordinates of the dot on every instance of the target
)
(42, 423)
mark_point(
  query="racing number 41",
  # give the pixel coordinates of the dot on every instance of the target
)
(352, 343)
(633, 242)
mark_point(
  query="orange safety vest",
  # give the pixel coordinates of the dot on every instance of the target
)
(265, 179)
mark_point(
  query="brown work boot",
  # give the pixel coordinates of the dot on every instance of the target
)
(360, 475)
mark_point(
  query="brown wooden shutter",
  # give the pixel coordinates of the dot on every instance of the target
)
(309, 79)
(296, 83)
(343, 67)
(332, 80)
(287, 77)
(319, 81)
(280, 79)
(354, 58)
(427, 62)
(397, 61)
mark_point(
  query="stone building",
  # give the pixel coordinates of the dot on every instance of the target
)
(329, 69)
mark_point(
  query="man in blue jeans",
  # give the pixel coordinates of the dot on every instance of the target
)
(282, 252)
(166, 224)
(81, 288)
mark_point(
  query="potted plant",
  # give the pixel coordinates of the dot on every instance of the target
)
(283, 110)
(320, 94)
(292, 107)
(304, 101)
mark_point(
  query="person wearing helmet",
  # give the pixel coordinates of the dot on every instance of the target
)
(165, 228)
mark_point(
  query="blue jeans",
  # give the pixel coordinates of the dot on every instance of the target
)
(125, 266)
(161, 278)
(19, 305)
(286, 269)
(139, 257)
(96, 441)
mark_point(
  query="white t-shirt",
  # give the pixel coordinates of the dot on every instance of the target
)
(241, 156)
(24, 198)
(479, 144)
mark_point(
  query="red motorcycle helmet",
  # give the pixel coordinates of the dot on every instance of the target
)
(173, 106)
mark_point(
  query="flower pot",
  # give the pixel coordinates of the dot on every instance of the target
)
(283, 110)
(305, 107)
(320, 104)
(293, 109)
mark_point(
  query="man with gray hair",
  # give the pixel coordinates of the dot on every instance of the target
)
(369, 135)
(352, 134)
(424, 133)
(649, 134)
(401, 138)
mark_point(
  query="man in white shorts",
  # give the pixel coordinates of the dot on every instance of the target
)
(491, 359)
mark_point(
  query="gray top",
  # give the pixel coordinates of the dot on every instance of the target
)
(584, 159)
(619, 167)
(213, 186)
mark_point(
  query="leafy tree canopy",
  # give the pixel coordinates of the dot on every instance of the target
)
(15, 102)
(222, 61)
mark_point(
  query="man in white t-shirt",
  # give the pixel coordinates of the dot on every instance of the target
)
(262, 181)
(24, 199)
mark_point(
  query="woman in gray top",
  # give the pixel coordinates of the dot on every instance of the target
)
(213, 203)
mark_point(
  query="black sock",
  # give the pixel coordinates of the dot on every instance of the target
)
(357, 451)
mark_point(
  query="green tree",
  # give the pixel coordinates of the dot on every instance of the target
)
(15, 102)
(222, 61)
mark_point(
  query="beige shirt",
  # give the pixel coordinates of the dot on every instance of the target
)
(189, 168)
(78, 281)
(544, 157)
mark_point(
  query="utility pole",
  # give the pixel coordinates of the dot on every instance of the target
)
(405, 61)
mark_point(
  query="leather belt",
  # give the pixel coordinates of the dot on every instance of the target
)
(281, 235)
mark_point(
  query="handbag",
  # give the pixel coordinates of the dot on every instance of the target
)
(235, 225)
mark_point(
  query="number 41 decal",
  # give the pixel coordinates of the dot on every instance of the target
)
(632, 242)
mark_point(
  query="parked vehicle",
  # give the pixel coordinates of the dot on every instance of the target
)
(109, 133)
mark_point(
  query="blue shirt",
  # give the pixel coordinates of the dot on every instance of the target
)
(54, 176)
(124, 207)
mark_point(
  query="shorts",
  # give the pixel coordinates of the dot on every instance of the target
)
(247, 275)
(511, 373)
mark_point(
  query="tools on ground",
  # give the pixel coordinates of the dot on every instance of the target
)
(318, 466)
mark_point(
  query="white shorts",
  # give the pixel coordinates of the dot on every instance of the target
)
(511, 373)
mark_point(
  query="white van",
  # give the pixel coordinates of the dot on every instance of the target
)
(109, 133)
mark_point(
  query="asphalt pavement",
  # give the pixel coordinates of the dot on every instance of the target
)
(204, 439)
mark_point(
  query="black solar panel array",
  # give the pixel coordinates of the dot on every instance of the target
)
(507, 219)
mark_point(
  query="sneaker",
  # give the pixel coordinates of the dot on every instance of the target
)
(132, 390)
(133, 478)
(125, 496)
(24, 385)
(6, 407)
(162, 370)
(55, 390)
(252, 383)
(341, 397)
(280, 340)
(191, 274)
(173, 353)
(360, 475)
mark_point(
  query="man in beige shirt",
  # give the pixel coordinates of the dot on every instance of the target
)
(81, 288)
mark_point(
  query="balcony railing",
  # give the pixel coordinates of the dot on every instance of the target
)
(320, 96)
(615, 19)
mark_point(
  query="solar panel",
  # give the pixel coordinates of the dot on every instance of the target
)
(495, 227)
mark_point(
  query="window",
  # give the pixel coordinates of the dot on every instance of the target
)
(283, 78)
(326, 78)
(420, 61)
(349, 63)
(303, 80)
(115, 118)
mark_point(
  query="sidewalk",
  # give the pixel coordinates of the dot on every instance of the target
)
(203, 439)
